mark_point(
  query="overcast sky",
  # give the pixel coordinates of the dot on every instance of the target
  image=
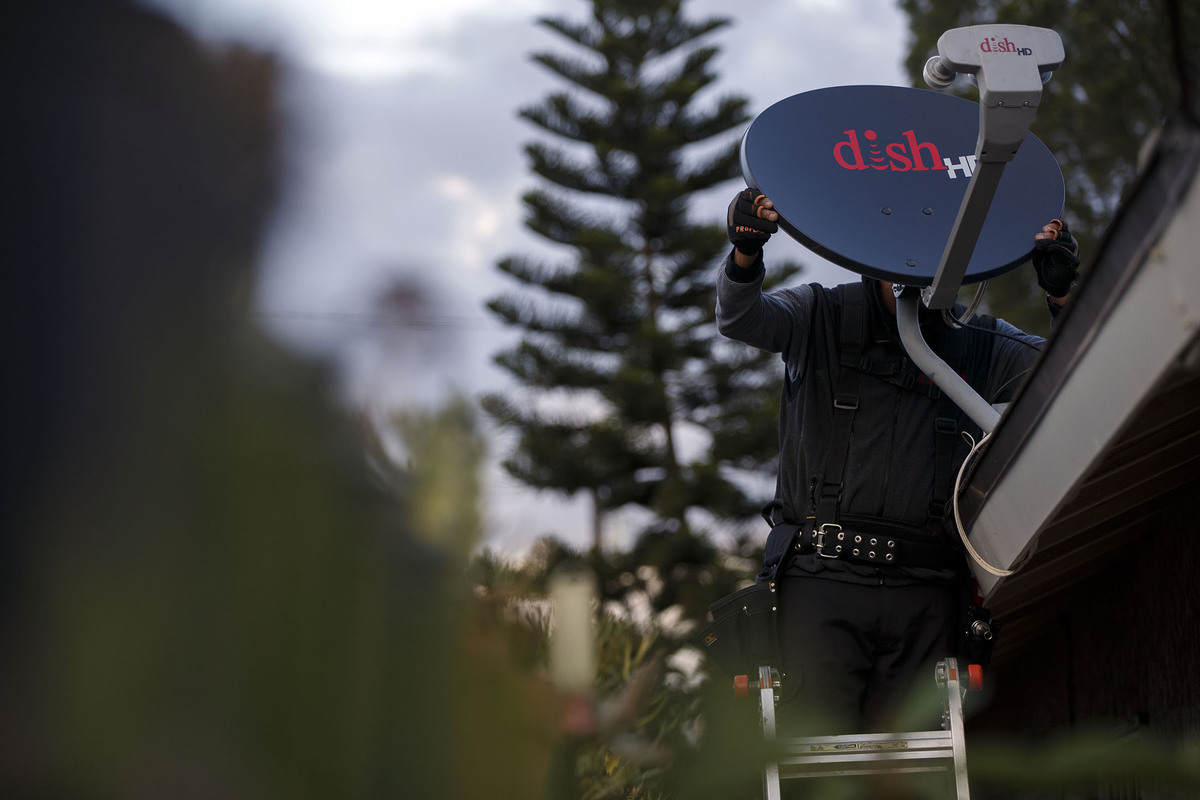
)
(404, 167)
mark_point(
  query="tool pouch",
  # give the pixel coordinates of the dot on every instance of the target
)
(744, 633)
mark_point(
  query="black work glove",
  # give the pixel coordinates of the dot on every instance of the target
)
(1056, 258)
(747, 230)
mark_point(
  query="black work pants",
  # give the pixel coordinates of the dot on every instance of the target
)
(852, 652)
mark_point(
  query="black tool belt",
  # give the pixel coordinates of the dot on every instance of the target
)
(867, 543)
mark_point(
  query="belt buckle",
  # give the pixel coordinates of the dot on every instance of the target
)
(823, 533)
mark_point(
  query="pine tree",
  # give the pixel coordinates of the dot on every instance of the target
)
(1127, 62)
(620, 361)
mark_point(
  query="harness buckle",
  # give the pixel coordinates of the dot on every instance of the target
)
(828, 531)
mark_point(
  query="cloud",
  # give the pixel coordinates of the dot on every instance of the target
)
(368, 61)
(352, 39)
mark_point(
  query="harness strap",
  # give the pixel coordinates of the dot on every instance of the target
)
(946, 427)
(946, 430)
(845, 398)
(969, 354)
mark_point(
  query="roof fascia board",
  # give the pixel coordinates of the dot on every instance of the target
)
(1136, 319)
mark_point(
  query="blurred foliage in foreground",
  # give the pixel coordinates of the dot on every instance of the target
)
(672, 735)
(208, 592)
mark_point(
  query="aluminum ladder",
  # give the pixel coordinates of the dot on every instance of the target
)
(940, 751)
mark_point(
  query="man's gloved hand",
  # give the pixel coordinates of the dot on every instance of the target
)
(751, 221)
(1056, 258)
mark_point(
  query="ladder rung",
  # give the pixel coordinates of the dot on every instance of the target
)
(919, 742)
(869, 738)
(869, 752)
(891, 756)
(848, 771)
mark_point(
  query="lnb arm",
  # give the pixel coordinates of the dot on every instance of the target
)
(1010, 64)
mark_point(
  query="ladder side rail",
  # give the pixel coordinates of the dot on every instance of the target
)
(954, 696)
(766, 703)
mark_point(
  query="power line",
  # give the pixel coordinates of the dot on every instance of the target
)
(360, 320)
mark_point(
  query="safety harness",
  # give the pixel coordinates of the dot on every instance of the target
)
(865, 539)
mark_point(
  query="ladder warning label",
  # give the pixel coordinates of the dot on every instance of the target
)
(841, 747)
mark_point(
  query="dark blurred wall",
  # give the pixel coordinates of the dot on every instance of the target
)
(1118, 653)
(205, 590)
(205, 594)
(138, 173)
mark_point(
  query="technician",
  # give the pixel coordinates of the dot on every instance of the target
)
(871, 577)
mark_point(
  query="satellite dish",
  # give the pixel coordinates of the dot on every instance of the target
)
(872, 177)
